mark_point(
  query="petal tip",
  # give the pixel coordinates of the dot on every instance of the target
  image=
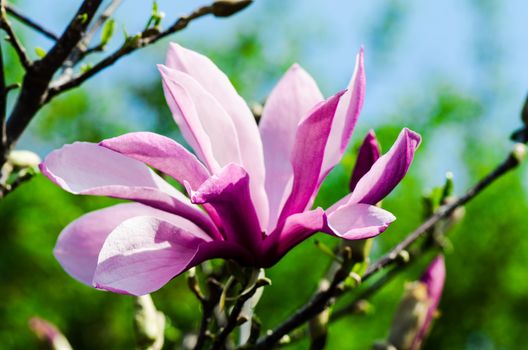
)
(413, 137)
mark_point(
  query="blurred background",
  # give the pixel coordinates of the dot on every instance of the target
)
(453, 70)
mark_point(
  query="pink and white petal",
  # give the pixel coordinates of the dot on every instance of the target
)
(368, 154)
(346, 117)
(296, 229)
(307, 156)
(208, 128)
(79, 244)
(144, 253)
(229, 194)
(161, 153)
(212, 79)
(90, 169)
(358, 221)
(201, 111)
(387, 171)
(290, 101)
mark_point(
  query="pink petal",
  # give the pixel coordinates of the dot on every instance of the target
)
(358, 221)
(79, 244)
(307, 156)
(289, 102)
(161, 153)
(87, 168)
(388, 170)
(212, 79)
(144, 253)
(203, 121)
(218, 138)
(368, 154)
(228, 193)
(346, 117)
(434, 278)
(296, 229)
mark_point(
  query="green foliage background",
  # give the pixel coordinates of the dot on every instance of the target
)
(485, 302)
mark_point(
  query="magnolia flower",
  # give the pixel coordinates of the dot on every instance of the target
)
(249, 188)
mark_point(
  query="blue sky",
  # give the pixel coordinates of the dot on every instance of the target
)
(435, 40)
(477, 47)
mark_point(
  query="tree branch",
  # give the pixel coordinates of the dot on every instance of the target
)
(21, 177)
(82, 48)
(3, 102)
(234, 315)
(145, 38)
(13, 39)
(512, 161)
(69, 39)
(36, 81)
(36, 87)
(321, 299)
(31, 23)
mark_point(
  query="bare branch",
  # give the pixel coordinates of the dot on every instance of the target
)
(82, 49)
(22, 176)
(36, 82)
(13, 39)
(146, 38)
(70, 38)
(234, 316)
(31, 23)
(3, 100)
(354, 306)
(321, 299)
(37, 89)
(391, 257)
(107, 13)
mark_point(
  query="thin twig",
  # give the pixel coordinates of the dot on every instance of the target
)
(36, 88)
(13, 39)
(82, 50)
(35, 84)
(207, 314)
(208, 305)
(234, 315)
(146, 38)
(3, 101)
(372, 289)
(392, 256)
(70, 38)
(319, 301)
(31, 23)
(20, 179)
(107, 13)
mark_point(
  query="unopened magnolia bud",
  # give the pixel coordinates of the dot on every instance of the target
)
(368, 154)
(47, 332)
(417, 308)
(383, 346)
(23, 159)
(149, 324)
(519, 152)
(404, 256)
(257, 109)
(363, 307)
(225, 8)
(286, 339)
(410, 316)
